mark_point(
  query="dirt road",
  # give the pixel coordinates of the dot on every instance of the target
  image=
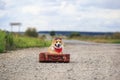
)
(89, 61)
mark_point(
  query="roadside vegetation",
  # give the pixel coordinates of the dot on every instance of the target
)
(11, 41)
(31, 32)
(114, 38)
(26, 42)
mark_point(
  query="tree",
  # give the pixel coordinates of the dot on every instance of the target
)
(31, 32)
(52, 33)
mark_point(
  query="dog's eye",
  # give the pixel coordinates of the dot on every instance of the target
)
(56, 41)
(60, 41)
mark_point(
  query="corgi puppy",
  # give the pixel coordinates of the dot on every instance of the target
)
(56, 46)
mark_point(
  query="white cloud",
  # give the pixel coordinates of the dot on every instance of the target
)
(93, 12)
(67, 14)
(35, 10)
(67, 9)
(2, 13)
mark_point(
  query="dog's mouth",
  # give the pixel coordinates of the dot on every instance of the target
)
(58, 45)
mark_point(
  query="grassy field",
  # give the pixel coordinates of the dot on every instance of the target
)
(26, 42)
(9, 41)
(97, 39)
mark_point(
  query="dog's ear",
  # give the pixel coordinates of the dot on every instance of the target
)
(57, 38)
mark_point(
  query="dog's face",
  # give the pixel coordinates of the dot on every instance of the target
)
(57, 42)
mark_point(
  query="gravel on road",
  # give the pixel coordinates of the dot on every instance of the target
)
(88, 62)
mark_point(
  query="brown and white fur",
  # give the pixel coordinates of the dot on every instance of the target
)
(56, 46)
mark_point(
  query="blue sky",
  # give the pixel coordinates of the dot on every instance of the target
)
(73, 15)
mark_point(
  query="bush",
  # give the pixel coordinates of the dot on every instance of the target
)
(9, 41)
(6, 41)
(31, 32)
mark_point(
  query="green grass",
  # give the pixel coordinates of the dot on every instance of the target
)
(2, 41)
(114, 41)
(106, 40)
(97, 39)
(9, 41)
(26, 42)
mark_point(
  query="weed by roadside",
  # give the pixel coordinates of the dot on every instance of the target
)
(9, 41)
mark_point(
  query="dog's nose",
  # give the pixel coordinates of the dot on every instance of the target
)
(58, 45)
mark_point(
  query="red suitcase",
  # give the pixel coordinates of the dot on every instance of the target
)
(46, 57)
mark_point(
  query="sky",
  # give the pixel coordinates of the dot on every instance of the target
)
(61, 15)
